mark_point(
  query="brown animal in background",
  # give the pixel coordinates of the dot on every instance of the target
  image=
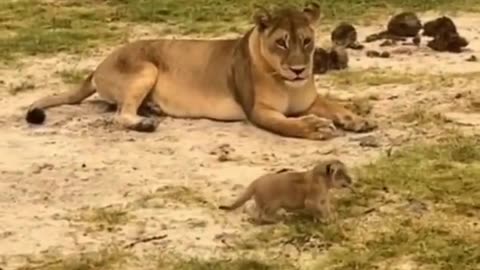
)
(399, 27)
(264, 77)
(345, 35)
(292, 190)
(438, 25)
(335, 58)
(445, 35)
(447, 42)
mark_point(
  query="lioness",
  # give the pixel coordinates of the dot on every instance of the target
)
(264, 77)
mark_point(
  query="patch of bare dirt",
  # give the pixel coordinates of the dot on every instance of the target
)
(80, 159)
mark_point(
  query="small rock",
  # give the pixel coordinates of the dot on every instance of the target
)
(368, 141)
(283, 170)
(223, 158)
(472, 58)
(416, 40)
(388, 43)
(385, 55)
(223, 152)
(466, 119)
(372, 53)
(40, 167)
(406, 51)
(475, 103)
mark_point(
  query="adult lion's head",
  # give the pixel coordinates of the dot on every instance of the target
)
(287, 41)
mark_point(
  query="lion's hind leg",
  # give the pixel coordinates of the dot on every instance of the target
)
(130, 90)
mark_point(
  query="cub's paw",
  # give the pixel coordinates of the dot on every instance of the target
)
(318, 128)
(356, 124)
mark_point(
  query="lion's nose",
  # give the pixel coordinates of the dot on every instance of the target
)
(297, 69)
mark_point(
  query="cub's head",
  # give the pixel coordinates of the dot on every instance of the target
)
(334, 172)
(286, 40)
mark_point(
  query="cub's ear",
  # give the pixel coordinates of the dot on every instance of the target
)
(261, 17)
(332, 166)
(312, 10)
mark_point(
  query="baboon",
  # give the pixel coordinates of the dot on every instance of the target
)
(345, 35)
(401, 26)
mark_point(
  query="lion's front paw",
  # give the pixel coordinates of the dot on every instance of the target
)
(357, 124)
(317, 128)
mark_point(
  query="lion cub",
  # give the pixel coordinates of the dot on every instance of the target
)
(292, 190)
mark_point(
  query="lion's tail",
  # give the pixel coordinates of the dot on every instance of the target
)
(36, 113)
(246, 195)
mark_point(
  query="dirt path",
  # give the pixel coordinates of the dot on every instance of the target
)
(80, 159)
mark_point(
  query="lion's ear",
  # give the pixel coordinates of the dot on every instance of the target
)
(261, 17)
(312, 10)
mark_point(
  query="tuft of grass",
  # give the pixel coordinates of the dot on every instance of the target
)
(104, 218)
(298, 230)
(180, 263)
(446, 172)
(107, 258)
(421, 116)
(368, 77)
(20, 88)
(178, 194)
(73, 76)
(425, 246)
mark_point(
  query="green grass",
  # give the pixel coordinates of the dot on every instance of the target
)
(73, 76)
(184, 12)
(177, 194)
(107, 258)
(421, 116)
(103, 218)
(442, 174)
(370, 77)
(35, 27)
(180, 263)
(427, 246)
(446, 172)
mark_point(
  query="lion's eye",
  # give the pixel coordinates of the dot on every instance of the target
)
(307, 42)
(281, 43)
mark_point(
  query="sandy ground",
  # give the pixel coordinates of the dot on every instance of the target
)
(80, 159)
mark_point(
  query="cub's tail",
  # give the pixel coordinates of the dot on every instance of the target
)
(246, 195)
(36, 111)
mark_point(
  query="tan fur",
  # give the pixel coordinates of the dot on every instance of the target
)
(264, 77)
(292, 190)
